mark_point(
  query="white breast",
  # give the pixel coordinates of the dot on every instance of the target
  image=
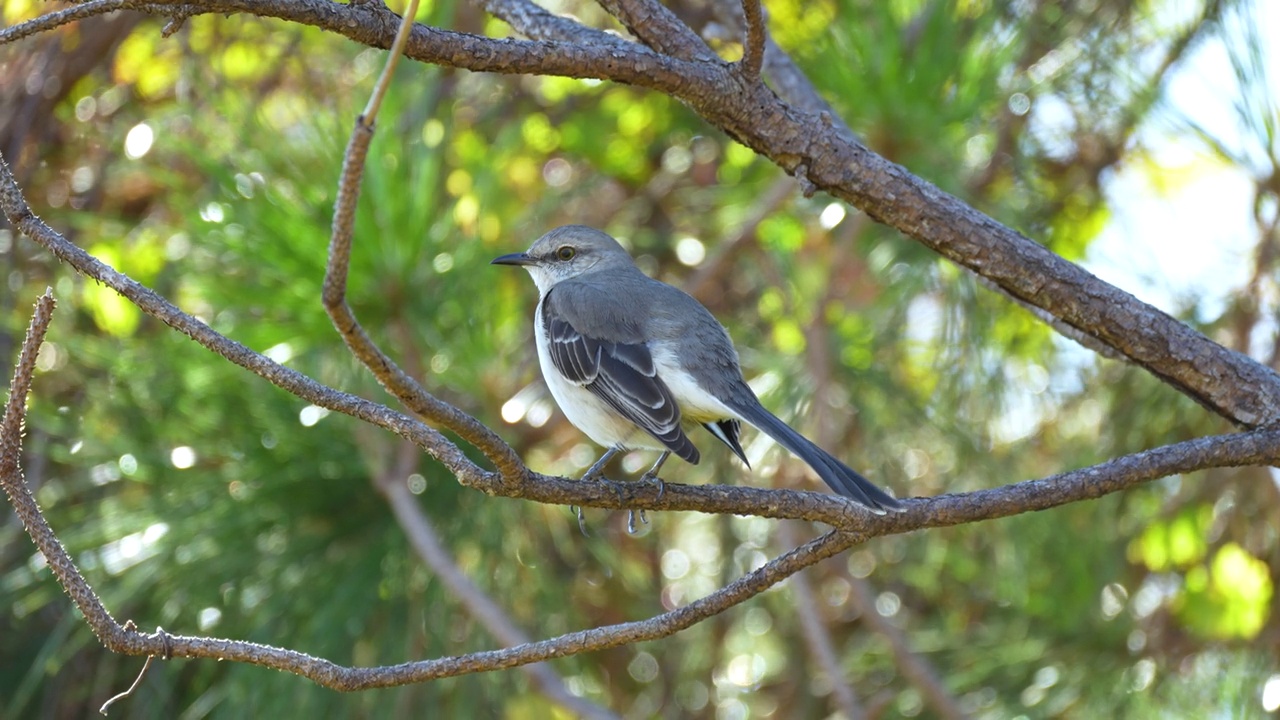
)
(587, 412)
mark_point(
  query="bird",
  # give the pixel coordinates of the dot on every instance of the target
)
(637, 364)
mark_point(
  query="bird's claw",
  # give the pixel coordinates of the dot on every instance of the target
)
(631, 516)
(653, 478)
(597, 475)
(631, 520)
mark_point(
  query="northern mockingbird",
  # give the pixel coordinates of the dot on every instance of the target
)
(635, 363)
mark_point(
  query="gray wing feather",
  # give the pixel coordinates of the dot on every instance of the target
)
(621, 373)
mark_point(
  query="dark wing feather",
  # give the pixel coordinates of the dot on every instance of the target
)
(620, 373)
(728, 432)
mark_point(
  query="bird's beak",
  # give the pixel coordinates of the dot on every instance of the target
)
(513, 259)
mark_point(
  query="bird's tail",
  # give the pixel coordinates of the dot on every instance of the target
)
(840, 477)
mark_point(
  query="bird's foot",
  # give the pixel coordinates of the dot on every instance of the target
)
(596, 474)
(648, 477)
(652, 477)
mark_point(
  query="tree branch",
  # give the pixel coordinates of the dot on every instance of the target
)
(753, 47)
(24, 221)
(1225, 382)
(384, 369)
(660, 29)
(53, 20)
(15, 487)
(799, 142)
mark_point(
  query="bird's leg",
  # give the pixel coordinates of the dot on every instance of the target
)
(596, 472)
(650, 475)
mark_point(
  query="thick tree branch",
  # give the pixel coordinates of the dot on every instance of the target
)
(659, 28)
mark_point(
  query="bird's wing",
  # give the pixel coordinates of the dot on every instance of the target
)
(614, 364)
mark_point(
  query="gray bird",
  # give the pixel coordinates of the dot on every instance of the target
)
(636, 363)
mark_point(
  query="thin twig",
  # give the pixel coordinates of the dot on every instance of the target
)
(136, 682)
(24, 503)
(370, 114)
(53, 20)
(334, 294)
(753, 48)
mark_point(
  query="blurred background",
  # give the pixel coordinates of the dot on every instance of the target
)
(1138, 138)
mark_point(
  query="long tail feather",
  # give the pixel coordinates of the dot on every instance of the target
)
(838, 476)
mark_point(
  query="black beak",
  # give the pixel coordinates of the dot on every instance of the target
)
(513, 259)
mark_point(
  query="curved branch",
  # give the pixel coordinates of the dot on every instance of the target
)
(19, 214)
(334, 298)
(52, 20)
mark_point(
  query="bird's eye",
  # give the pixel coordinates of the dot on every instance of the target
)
(566, 252)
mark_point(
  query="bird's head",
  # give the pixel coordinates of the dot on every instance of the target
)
(566, 253)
